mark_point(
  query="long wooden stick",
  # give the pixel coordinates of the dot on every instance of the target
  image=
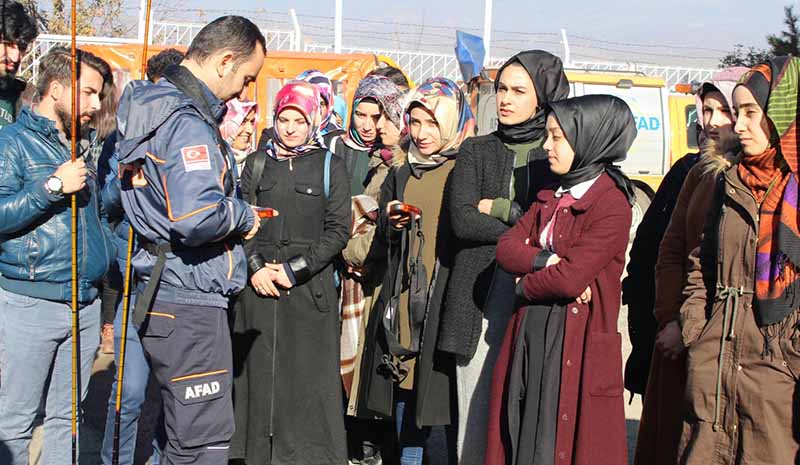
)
(127, 287)
(74, 224)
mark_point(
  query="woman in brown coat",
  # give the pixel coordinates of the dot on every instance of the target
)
(557, 385)
(662, 415)
(739, 320)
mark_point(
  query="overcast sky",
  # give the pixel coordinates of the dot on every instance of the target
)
(699, 31)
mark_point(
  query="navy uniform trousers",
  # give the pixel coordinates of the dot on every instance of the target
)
(189, 349)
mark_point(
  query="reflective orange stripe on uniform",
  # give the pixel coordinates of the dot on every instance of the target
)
(155, 158)
(199, 375)
(222, 177)
(166, 315)
(169, 205)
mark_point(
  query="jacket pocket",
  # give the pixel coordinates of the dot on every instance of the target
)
(317, 288)
(158, 324)
(605, 361)
(694, 329)
(308, 199)
(790, 345)
(33, 254)
(205, 409)
(263, 191)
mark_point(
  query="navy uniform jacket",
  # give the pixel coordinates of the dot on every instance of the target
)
(179, 187)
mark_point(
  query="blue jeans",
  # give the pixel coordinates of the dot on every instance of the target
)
(36, 365)
(134, 392)
(410, 439)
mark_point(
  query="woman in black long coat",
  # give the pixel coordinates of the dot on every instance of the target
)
(288, 396)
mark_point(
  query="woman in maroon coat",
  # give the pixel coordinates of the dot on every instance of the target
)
(557, 386)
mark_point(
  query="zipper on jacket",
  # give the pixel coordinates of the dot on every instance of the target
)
(31, 271)
(274, 358)
(275, 333)
(82, 229)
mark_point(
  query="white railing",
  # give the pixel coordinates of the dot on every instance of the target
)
(45, 42)
(671, 74)
(165, 33)
(417, 65)
(175, 33)
(179, 34)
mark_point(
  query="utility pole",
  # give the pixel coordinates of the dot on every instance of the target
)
(298, 36)
(487, 32)
(337, 40)
(143, 21)
(565, 43)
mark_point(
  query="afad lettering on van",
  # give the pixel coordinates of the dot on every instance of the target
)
(201, 390)
(647, 123)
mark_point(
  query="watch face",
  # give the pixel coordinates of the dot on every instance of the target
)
(54, 184)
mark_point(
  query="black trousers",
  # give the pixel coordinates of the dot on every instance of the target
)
(189, 350)
(111, 294)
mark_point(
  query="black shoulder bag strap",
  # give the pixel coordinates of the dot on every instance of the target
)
(259, 161)
(411, 276)
(144, 301)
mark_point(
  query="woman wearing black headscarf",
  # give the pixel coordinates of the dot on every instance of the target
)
(495, 179)
(557, 386)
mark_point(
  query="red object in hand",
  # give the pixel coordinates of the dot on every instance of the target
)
(404, 209)
(266, 212)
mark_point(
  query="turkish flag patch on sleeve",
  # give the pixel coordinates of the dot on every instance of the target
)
(195, 158)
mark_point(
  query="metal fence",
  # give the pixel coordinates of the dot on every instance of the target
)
(418, 65)
(671, 74)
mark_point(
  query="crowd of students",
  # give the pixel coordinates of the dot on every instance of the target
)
(329, 290)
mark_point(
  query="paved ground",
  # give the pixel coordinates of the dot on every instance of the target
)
(95, 406)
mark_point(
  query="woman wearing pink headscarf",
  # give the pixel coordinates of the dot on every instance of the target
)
(288, 395)
(238, 127)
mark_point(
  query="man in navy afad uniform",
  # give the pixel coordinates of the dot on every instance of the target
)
(179, 193)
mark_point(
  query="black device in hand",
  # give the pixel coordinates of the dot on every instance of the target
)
(404, 209)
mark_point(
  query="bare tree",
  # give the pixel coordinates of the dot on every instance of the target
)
(95, 17)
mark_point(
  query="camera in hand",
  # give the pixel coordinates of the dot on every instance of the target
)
(404, 209)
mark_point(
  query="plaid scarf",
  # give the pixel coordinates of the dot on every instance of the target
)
(778, 252)
(364, 216)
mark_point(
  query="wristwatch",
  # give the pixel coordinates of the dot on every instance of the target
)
(54, 185)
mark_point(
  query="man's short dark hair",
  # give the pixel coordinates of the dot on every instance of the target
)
(16, 25)
(234, 33)
(57, 66)
(393, 74)
(158, 63)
